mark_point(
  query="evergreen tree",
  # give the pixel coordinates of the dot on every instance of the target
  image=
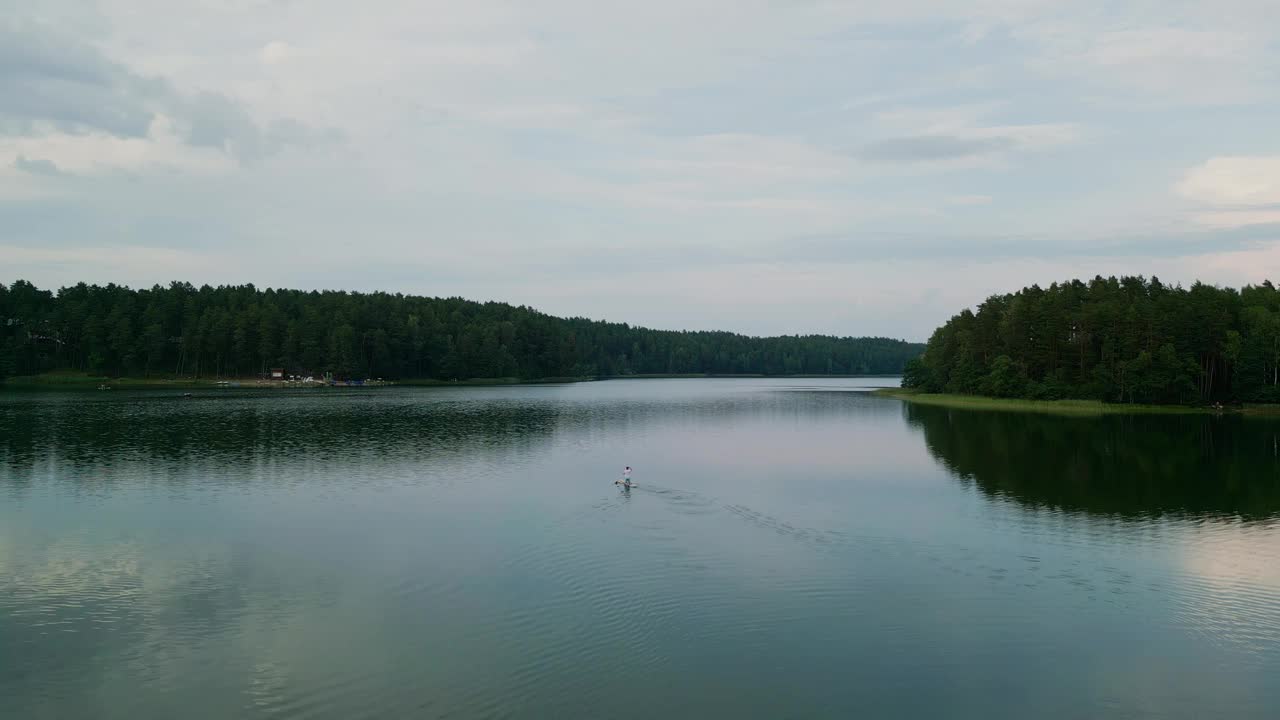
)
(1119, 340)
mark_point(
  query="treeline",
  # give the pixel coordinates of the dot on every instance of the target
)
(1118, 340)
(242, 331)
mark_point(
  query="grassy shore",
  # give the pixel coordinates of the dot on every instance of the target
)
(1061, 407)
(85, 381)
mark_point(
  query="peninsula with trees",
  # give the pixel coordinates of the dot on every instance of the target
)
(1117, 340)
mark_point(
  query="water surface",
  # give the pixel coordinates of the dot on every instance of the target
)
(795, 548)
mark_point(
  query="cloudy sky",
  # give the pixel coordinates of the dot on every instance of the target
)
(767, 166)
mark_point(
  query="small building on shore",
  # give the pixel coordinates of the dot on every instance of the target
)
(277, 373)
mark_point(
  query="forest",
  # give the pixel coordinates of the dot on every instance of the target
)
(181, 331)
(1128, 340)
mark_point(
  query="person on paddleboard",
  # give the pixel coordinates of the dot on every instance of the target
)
(626, 477)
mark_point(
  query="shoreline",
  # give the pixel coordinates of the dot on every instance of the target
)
(1081, 408)
(84, 381)
(71, 381)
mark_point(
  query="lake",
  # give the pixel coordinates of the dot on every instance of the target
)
(793, 549)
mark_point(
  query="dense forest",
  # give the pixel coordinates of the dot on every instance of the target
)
(1118, 340)
(242, 331)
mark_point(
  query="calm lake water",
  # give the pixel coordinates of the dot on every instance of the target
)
(794, 549)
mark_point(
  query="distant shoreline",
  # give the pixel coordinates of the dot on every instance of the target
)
(84, 381)
(1065, 407)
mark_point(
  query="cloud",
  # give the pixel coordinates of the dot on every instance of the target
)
(96, 152)
(38, 166)
(933, 147)
(1234, 191)
(1234, 180)
(50, 83)
(276, 52)
(948, 136)
(47, 80)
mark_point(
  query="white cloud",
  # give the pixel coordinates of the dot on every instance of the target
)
(969, 147)
(960, 137)
(160, 150)
(1234, 180)
(1234, 191)
(276, 52)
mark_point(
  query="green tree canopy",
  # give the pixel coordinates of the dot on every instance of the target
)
(1121, 340)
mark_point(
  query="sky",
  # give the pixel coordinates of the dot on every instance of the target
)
(764, 166)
